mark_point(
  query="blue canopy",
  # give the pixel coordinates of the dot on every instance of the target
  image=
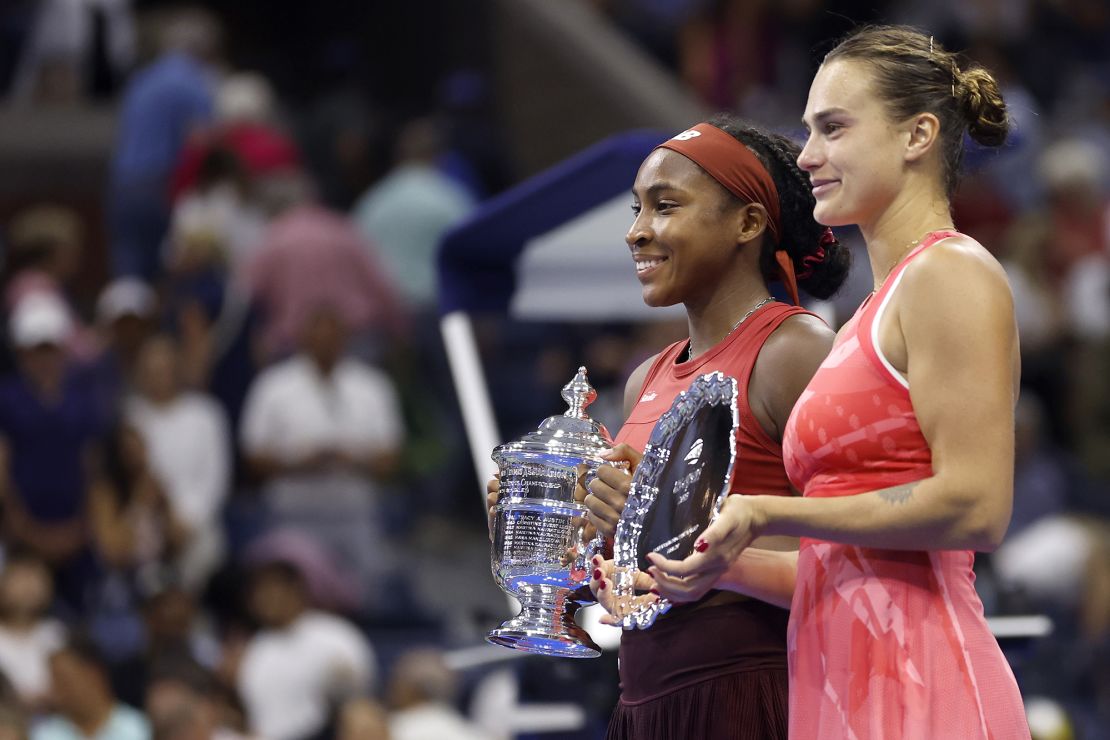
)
(479, 260)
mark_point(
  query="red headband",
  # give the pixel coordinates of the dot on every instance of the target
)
(734, 166)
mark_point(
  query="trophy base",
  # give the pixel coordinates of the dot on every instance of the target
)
(545, 626)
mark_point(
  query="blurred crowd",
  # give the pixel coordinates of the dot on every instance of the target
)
(210, 477)
(215, 479)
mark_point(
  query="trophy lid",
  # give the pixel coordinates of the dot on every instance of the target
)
(567, 439)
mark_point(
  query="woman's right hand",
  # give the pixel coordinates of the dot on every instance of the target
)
(608, 492)
(493, 492)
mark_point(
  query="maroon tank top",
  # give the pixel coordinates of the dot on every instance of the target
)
(692, 642)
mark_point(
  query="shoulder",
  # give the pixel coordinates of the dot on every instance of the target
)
(276, 382)
(53, 728)
(327, 629)
(366, 377)
(801, 341)
(136, 409)
(635, 384)
(50, 633)
(292, 370)
(955, 287)
(204, 407)
(206, 404)
(798, 331)
(957, 268)
(126, 723)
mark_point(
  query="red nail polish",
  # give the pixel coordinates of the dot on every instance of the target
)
(654, 591)
(602, 586)
(701, 545)
(597, 575)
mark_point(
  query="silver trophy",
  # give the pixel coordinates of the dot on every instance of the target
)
(677, 489)
(540, 552)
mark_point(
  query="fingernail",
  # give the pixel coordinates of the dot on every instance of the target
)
(701, 545)
(653, 591)
(597, 575)
(595, 561)
(602, 586)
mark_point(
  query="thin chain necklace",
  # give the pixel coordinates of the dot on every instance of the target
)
(906, 250)
(745, 317)
(902, 255)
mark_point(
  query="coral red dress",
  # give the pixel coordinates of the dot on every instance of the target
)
(883, 643)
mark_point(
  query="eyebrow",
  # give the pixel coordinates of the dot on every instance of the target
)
(657, 187)
(822, 115)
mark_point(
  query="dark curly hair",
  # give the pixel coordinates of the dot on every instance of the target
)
(801, 236)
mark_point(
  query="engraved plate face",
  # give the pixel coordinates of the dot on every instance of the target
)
(539, 480)
(539, 544)
(679, 485)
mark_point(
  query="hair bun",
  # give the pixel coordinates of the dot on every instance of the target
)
(980, 101)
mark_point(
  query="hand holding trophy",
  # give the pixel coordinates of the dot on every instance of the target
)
(542, 543)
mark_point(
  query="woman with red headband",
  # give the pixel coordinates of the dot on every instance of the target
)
(721, 211)
(903, 443)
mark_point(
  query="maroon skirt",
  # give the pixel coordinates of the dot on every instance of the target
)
(716, 672)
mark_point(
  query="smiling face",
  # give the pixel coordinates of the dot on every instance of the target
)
(855, 155)
(683, 239)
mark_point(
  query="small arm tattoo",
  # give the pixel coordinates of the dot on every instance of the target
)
(898, 494)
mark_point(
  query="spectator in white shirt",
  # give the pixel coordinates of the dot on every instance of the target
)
(189, 449)
(321, 431)
(302, 664)
(422, 694)
(27, 635)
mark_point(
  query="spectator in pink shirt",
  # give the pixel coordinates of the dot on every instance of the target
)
(310, 256)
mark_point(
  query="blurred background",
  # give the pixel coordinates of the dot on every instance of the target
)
(236, 493)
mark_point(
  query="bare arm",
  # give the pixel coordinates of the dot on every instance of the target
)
(955, 316)
(786, 363)
(766, 575)
(113, 538)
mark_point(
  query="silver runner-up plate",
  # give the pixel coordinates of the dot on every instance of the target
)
(677, 490)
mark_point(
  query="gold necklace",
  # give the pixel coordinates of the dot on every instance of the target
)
(901, 256)
(745, 317)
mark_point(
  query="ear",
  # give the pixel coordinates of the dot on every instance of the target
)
(923, 130)
(751, 222)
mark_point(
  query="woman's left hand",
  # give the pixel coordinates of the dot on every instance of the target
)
(731, 532)
(602, 584)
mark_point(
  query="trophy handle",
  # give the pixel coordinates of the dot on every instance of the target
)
(593, 547)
